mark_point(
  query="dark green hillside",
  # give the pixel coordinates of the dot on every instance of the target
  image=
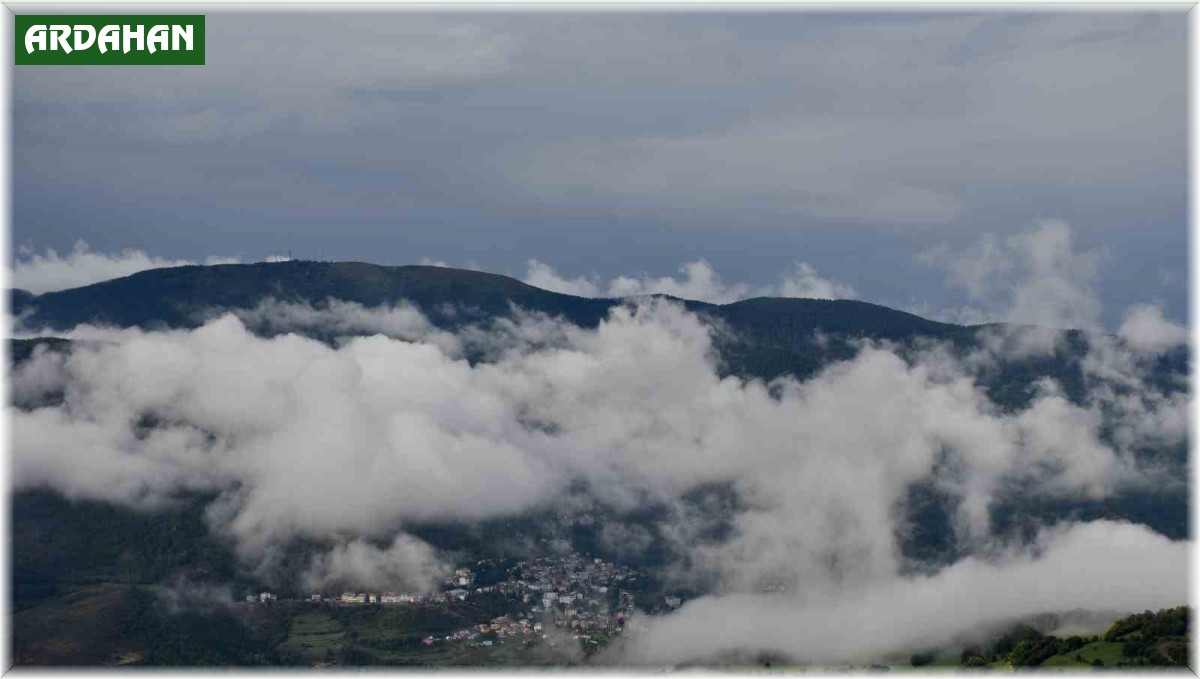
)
(177, 296)
(765, 338)
(784, 319)
(18, 299)
(769, 337)
(1146, 639)
(58, 544)
(118, 624)
(780, 336)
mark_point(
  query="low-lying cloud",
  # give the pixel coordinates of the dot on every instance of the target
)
(352, 444)
(1036, 277)
(51, 271)
(1101, 565)
(698, 280)
(407, 564)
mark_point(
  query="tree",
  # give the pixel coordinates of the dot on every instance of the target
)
(920, 659)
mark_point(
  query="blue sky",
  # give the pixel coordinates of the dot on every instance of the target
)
(616, 143)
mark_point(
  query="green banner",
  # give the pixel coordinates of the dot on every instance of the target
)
(109, 39)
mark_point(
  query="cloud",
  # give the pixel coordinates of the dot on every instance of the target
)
(350, 445)
(1100, 565)
(542, 275)
(697, 281)
(669, 131)
(51, 271)
(344, 319)
(346, 54)
(181, 595)
(405, 565)
(1060, 285)
(899, 119)
(1145, 329)
(804, 282)
(41, 376)
(1036, 277)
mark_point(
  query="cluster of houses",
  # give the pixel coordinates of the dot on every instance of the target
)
(390, 597)
(588, 598)
(500, 628)
(463, 577)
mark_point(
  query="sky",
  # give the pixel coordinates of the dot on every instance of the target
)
(871, 147)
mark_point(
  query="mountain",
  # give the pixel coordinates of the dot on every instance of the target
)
(759, 338)
(773, 336)
(180, 296)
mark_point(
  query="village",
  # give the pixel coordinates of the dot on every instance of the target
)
(588, 599)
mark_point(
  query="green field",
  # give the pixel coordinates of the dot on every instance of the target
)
(1108, 652)
(314, 635)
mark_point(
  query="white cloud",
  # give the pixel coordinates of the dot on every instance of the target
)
(1036, 277)
(542, 275)
(804, 282)
(51, 271)
(1145, 328)
(359, 440)
(405, 565)
(1059, 288)
(342, 319)
(1100, 565)
(698, 281)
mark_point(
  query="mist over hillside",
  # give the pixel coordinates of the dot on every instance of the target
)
(777, 461)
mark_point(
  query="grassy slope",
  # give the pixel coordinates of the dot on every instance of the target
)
(314, 635)
(84, 627)
(1109, 652)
